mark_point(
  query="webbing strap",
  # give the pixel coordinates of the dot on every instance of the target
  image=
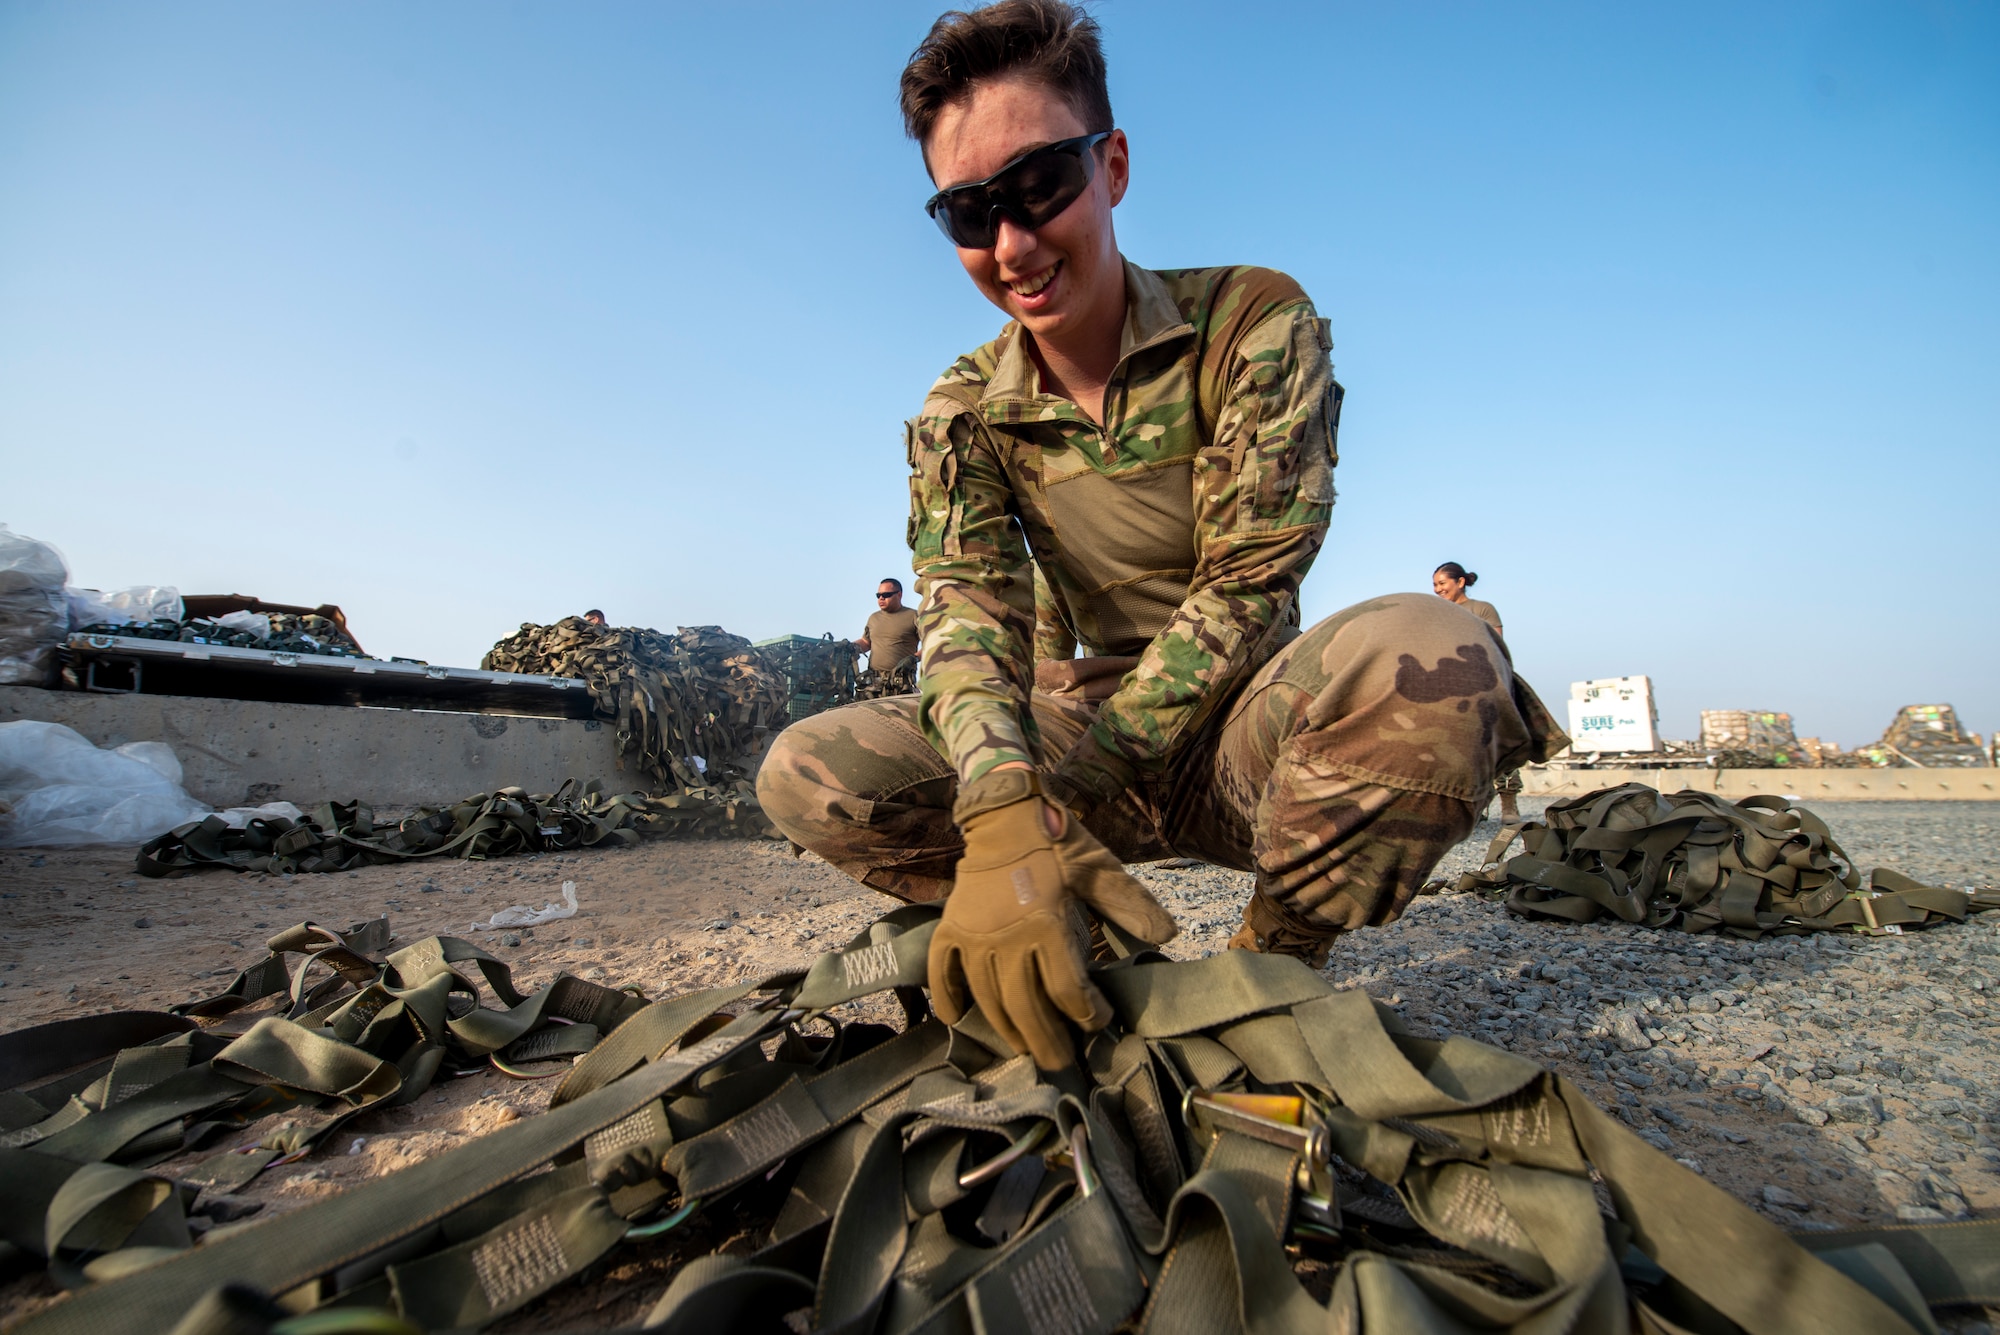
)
(43, 1050)
(800, 1112)
(1168, 999)
(1684, 1225)
(1752, 867)
(1951, 1263)
(292, 1249)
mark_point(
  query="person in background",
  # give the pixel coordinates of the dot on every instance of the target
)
(595, 616)
(1450, 581)
(891, 634)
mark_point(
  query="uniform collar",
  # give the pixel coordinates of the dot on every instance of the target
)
(1152, 317)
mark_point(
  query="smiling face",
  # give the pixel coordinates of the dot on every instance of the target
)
(1065, 278)
(1447, 588)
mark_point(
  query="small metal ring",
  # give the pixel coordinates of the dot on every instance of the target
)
(1000, 1162)
(1079, 1153)
(505, 1069)
(659, 1226)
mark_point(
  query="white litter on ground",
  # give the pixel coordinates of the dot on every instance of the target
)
(520, 915)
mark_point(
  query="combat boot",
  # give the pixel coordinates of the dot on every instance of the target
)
(1270, 930)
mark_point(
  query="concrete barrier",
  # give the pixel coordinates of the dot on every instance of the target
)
(238, 752)
(1824, 785)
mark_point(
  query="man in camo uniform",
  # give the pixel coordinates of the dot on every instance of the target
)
(1162, 512)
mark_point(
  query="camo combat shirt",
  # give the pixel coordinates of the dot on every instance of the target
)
(1176, 533)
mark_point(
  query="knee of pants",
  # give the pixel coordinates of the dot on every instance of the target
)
(799, 793)
(1408, 691)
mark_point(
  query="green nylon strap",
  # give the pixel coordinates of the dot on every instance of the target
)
(1951, 1263)
(894, 952)
(1748, 868)
(1684, 1224)
(466, 1286)
(288, 1251)
(44, 1050)
(800, 1112)
(644, 1038)
(1075, 1274)
(97, 1208)
(1372, 1075)
(1224, 1274)
(1166, 1000)
(726, 1293)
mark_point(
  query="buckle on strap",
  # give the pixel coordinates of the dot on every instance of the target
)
(1875, 927)
(1276, 1119)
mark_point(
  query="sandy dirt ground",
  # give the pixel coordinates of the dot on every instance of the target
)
(1827, 1082)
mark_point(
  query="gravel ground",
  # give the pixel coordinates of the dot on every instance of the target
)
(1825, 1080)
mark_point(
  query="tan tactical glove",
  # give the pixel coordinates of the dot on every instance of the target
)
(1014, 931)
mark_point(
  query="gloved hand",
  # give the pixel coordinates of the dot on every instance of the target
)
(1014, 932)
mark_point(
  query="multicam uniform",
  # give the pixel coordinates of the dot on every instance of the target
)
(1508, 783)
(1338, 765)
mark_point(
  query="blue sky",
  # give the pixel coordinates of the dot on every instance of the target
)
(1677, 322)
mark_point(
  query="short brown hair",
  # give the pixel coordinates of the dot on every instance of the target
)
(1053, 42)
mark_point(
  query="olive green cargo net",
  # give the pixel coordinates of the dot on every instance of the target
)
(688, 706)
(338, 836)
(1239, 1125)
(1699, 862)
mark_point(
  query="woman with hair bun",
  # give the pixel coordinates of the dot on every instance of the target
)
(1450, 581)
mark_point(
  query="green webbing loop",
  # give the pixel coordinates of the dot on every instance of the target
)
(1749, 868)
(928, 1181)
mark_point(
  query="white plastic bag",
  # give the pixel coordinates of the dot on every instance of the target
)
(56, 789)
(255, 622)
(520, 915)
(124, 607)
(34, 614)
(238, 817)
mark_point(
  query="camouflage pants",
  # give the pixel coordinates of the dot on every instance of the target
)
(1339, 774)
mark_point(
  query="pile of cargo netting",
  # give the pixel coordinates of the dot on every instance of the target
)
(1241, 1148)
(341, 836)
(689, 706)
(1701, 863)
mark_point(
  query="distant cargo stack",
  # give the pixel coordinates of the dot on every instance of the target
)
(1928, 737)
(1756, 737)
(1613, 714)
(819, 673)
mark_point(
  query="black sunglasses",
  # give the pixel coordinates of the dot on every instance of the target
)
(890, 594)
(1031, 190)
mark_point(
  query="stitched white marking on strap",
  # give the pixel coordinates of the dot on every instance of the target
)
(865, 968)
(764, 1134)
(1477, 1212)
(622, 1135)
(1523, 1122)
(1052, 1295)
(423, 955)
(519, 1263)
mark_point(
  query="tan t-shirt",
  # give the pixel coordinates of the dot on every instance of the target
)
(892, 637)
(1486, 612)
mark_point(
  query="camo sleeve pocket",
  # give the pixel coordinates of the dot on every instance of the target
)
(1289, 404)
(935, 507)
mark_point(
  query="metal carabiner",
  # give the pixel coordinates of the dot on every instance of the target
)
(1000, 1162)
